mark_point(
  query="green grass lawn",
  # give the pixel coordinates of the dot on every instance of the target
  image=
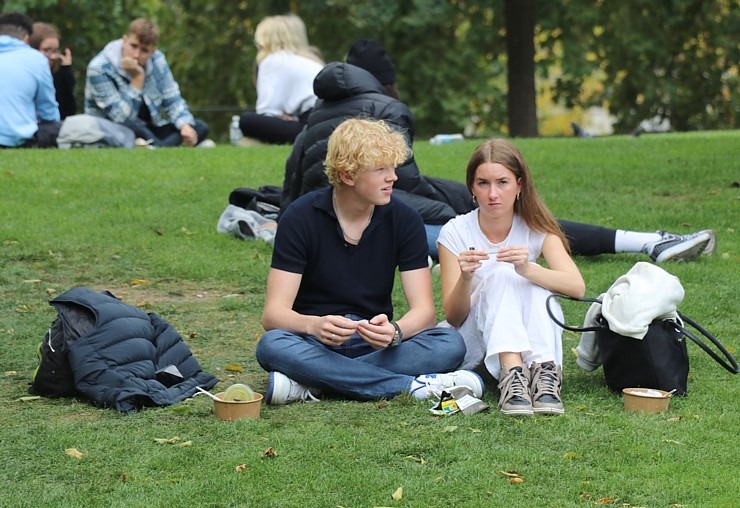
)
(142, 224)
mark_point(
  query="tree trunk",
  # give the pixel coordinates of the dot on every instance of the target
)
(519, 16)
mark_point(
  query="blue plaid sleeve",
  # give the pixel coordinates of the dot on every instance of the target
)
(108, 94)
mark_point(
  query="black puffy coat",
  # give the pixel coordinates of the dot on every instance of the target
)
(115, 362)
(346, 91)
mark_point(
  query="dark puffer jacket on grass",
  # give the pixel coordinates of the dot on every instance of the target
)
(115, 362)
(346, 91)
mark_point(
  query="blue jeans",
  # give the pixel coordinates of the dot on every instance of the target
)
(354, 369)
(432, 235)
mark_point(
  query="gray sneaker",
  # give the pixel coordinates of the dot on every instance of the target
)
(545, 388)
(673, 247)
(711, 247)
(514, 386)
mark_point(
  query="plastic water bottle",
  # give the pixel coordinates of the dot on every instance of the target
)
(443, 139)
(235, 132)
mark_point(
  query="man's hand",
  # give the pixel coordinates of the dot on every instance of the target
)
(189, 136)
(378, 331)
(132, 66)
(137, 71)
(333, 330)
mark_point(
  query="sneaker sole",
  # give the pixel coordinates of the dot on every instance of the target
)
(682, 253)
(549, 410)
(518, 412)
(711, 248)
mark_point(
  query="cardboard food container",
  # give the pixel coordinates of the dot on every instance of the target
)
(646, 400)
(238, 409)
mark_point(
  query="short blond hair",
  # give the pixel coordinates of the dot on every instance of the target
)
(359, 144)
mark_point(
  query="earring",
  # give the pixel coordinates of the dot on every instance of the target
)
(517, 196)
(475, 200)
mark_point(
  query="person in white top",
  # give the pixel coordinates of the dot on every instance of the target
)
(493, 290)
(285, 68)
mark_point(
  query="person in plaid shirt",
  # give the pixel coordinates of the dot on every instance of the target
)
(129, 82)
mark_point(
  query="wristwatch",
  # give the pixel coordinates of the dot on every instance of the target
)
(397, 337)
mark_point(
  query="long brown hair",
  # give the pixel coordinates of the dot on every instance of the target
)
(529, 206)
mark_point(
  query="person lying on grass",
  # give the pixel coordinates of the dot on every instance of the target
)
(328, 315)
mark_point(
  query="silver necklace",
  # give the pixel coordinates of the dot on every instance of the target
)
(350, 239)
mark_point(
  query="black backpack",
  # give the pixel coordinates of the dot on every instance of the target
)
(53, 377)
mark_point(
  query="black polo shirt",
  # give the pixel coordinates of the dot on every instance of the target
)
(341, 278)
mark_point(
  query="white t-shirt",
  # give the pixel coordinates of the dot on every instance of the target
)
(285, 84)
(464, 231)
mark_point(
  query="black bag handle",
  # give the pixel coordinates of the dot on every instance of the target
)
(568, 327)
(731, 366)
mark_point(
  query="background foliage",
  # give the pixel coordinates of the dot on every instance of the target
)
(676, 59)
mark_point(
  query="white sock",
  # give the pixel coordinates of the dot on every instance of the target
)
(633, 241)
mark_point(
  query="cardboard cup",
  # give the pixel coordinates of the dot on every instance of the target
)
(236, 410)
(646, 400)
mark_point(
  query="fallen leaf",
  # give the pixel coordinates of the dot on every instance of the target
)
(270, 453)
(184, 443)
(604, 500)
(32, 281)
(10, 373)
(585, 495)
(571, 456)
(73, 452)
(675, 419)
(234, 367)
(124, 477)
(140, 282)
(511, 474)
(181, 409)
(28, 398)
(240, 468)
(516, 480)
(673, 441)
(164, 440)
(420, 460)
(398, 494)
(192, 335)
(450, 428)
(474, 431)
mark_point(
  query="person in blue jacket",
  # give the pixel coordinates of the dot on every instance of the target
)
(29, 113)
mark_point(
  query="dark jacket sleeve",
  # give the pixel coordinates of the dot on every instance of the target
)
(64, 83)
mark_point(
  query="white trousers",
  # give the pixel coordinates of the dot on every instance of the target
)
(508, 314)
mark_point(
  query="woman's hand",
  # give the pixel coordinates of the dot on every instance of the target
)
(470, 260)
(516, 255)
(65, 59)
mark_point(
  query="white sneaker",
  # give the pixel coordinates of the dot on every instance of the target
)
(673, 247)
(433, 384)
(206, 143)
(283, 390)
